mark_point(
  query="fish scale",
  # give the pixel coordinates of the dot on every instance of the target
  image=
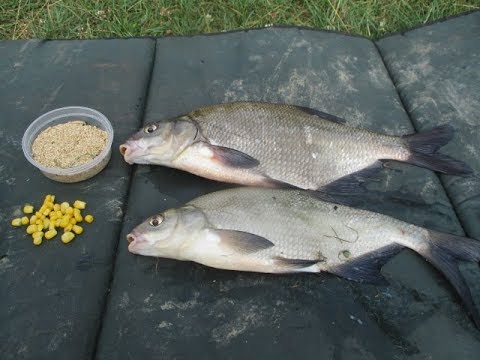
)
(296, 147)
(299, 226)
(285, 231)
(265, 144)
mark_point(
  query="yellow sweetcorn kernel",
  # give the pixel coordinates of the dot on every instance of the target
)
(69, 211)
(65, 220)
(50, 234)
(73, 221)
(31, 229)
(49, 205)
(47, 198)
(28, 209)
(39, 227)
(56, 207)
(78, 218)
(52, 198)
(17, 222)
(38, 222)
(57, 222)
(25, 220)
(64, 206)
(51, 226)
(37, 241)
(88, 218)
(77, 229)
(79, 204)
(46, 212)
(59, 213)
(68, 228)
(37, 234)
(42, 209)
(33, 218)
(46, 223)
(67, 237)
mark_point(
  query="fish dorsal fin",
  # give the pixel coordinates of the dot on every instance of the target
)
(241, 242)
(365, 268)
(321, 114)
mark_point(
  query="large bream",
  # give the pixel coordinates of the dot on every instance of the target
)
(283, 231)
(271, 145)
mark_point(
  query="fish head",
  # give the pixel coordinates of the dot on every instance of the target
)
(161, 142)
(164, 234)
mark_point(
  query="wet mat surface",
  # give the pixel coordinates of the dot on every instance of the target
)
(170, 309)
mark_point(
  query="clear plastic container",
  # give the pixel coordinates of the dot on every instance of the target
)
(60, 116)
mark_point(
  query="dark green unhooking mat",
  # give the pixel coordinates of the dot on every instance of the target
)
(54, 296)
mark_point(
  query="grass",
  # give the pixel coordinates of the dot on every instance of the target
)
(83, 19)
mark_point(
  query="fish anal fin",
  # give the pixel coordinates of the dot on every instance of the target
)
(352, 184)
(241, 242)
(366, 268)
(293, 264)
(321, 114)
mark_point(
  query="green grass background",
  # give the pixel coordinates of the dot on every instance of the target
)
(21, 19)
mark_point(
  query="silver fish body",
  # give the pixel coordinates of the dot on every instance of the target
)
(284, 231)
(266, 144)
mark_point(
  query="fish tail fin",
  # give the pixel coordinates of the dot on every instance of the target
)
(444, 251)
(423, 151)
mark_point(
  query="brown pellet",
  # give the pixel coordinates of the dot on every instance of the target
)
(67, 145)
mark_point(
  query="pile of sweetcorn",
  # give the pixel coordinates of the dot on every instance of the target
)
(51, 216)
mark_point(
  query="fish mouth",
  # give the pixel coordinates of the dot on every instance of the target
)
(135, 241)
(131, 152)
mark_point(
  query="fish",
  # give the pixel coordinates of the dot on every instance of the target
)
(295, 231)
(282, 146)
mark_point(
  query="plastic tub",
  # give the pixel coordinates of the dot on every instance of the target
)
(60, 116)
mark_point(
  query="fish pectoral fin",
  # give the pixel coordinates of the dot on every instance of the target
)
(231, 157)
(293, 264)
(366, 268)
(242, 242)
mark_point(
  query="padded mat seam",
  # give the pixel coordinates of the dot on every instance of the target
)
(424, 25)
(106, 299)
(411, 119)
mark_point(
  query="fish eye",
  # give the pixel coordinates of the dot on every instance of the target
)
(150, 128)
(156, 220)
